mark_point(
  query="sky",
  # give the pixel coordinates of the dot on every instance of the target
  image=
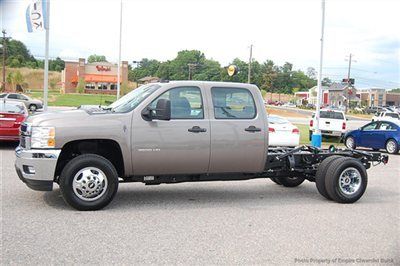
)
(282, 31)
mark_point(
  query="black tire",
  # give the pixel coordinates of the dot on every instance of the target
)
(291, 181)
(276, 180)
(350, 142)
(392, 149)
(321, 173)
(79, 163)
(332, 179)
(32, 107)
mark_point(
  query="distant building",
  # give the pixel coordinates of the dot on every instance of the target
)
(98, 77)
(338, 94)
(378, 97)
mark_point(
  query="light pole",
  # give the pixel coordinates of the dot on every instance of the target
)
(316, 138)
(3, 86)
(250, 59)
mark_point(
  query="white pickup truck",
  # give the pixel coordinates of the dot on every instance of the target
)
(331, 123)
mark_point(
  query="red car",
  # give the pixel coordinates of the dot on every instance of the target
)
(12, 114)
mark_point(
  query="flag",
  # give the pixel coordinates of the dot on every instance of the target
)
(36, 16)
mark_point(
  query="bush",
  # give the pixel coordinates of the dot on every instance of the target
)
(80, 88)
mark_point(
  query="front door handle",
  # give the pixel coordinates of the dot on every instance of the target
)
(197, 129)
(253, 129)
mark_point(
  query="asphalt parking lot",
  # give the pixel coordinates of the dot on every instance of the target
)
(242, 222)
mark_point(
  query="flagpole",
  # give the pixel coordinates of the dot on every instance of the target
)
(316, 138)
(119, 53)
(46, 59)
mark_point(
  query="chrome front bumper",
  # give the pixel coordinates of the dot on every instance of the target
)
(36, 168)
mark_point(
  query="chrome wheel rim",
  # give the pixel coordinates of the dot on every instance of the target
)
(89, 184)
(350, 181)
(350, 142)
(391, 146)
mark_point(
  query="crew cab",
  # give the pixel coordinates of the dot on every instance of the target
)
(331, 123)
(171, 132)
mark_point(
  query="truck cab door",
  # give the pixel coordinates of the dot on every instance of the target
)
(238, 130)
(178, 146)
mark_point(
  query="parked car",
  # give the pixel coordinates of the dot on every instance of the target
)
(331, 123)
(12, 114)
(290, 105)
(31, 104)
(386, 116)
(282, 133)
(373, 109)
(376, 135)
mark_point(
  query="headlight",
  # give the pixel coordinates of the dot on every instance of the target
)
(43, 137)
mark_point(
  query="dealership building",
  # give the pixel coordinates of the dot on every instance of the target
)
(98, 77)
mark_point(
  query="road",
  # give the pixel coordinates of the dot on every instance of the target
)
(242, 222)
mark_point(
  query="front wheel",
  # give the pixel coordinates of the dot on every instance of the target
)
(350, 143)
(392, 147)
(88, 182)
(32, 107)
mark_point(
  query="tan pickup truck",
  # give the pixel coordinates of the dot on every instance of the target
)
(175, 132)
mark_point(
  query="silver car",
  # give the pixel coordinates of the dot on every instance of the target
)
(31, 104)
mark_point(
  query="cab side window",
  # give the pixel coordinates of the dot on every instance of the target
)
(186, 102)
(233, 103)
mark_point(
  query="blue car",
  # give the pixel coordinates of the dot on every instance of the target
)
(376, 135)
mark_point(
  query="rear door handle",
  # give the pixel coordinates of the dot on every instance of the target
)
(253, 129)
(197, 129)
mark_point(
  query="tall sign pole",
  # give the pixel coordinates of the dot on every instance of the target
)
(46, 55)
(316, 139)
(250, 59)
(3, 86)
(119, 54)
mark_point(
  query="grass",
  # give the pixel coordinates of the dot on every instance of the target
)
(73, 99)
(304, 137)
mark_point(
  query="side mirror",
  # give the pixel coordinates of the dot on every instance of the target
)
(161, 112)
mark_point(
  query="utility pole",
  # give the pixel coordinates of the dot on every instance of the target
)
(250, 60)
(348, 72)
(3, 86)
(119, 53)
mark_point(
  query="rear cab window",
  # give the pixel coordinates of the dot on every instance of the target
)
(331, 115)
(233, 103)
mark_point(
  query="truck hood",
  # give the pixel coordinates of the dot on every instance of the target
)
(57, 118)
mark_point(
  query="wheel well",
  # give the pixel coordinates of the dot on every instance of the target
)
(109, 149)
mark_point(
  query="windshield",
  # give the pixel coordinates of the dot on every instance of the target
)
(276, 120)
(11, 108)
(133, 99)
(392, 115)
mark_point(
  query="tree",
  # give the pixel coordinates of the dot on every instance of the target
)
(396, 90)
(18, 81)
(96, 58)
(311, 73)
(56, 65)
(326, 82)
(80, 88)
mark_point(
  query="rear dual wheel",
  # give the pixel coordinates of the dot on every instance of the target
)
(341, 179)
